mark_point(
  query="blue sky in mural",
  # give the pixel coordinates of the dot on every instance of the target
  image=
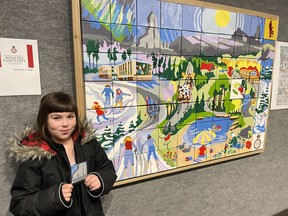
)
(123, 12)
(192, 18)
(102, 14)
(171, 15)
(266, 63)
(257, 22)
(145, 8)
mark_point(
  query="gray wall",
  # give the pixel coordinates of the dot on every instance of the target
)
(255, 185)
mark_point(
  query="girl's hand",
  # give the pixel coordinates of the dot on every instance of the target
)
(92, 182)
(67, 191)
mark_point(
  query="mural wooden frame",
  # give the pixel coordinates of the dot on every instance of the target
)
(238, 83)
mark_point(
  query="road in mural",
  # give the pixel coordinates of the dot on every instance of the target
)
(169, 85)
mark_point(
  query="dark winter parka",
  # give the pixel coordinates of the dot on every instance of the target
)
(44, 167)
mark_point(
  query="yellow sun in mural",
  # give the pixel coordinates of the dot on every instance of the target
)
(220, 21)
(222, 18)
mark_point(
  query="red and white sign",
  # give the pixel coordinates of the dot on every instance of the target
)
(19, 67)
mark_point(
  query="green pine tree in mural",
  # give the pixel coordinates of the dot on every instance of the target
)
(89, 50)
(174, 69)
(154, 60)
(201, 106)
(109, 54)
(129, 53)
(266, 73)
(96, 53)
(197, 104)
(131, 127)
(120, 131)
(124, 56)
(252, 93)
(139, 120)
(160, 62)
(163, 66)
(196, 64)
(107, 140)
(264, 100)
(170, 71)
(114, 55)
(179, 72)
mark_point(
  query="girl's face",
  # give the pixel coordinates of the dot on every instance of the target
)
(61, 125)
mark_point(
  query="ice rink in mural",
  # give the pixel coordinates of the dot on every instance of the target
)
(169, 85)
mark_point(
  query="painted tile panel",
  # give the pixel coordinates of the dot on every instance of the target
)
(170, 85)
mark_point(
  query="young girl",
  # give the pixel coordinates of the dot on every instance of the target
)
(42, 185)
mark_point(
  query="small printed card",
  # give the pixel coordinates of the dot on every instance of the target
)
(78, 172)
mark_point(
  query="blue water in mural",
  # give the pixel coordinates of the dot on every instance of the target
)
(219, 126)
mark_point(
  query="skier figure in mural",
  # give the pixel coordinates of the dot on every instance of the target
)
(99, 112)
(128, 155)
(150, 142)
(151, 107)
(119, 98)
(107, 92)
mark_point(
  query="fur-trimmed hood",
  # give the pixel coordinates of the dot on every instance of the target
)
(22, 147)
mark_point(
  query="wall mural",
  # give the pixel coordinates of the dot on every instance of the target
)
(170, 86)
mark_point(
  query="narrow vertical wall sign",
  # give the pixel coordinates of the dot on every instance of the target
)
(19, 67)
(173, 85)
(279, 98)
